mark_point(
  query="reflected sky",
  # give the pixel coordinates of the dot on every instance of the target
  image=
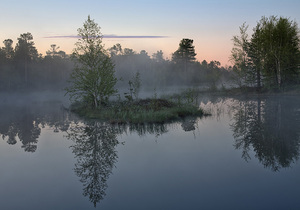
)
(172, 166)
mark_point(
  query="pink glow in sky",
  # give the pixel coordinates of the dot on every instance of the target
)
(211, 24)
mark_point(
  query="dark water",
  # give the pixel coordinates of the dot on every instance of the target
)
(245, 156)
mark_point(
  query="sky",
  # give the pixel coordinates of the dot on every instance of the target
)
(149, 25)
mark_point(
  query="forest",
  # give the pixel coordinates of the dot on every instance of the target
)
(23, 68)
(268, 59)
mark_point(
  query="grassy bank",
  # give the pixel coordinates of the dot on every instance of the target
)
(139, 111)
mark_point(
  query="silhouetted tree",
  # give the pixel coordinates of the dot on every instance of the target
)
(53, 50)
(25, 53)
(6, 64)
(185, 53)
(158, 56)
(116, 50)
(128, 51)
(8, 49)
(214, 73)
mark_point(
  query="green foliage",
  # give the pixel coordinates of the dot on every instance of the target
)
(239, 56)
(271, 57)
(92, 79)
(281, 41)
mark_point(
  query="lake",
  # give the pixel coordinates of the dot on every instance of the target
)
(244, 156)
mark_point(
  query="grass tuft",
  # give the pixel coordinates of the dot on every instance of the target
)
(140, 111)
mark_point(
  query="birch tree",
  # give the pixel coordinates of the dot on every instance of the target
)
(93, 78)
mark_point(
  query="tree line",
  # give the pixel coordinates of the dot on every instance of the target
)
(268, 59)
(22, 67)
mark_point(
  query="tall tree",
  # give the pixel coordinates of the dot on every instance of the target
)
(92, 80)
(239, 56)
(25, 52)
(185, 53)
(281, 44)
(6, 60)
(256, 56)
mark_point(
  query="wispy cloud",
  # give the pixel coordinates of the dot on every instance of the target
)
(112, 36)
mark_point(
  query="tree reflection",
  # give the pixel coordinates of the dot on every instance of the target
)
(24, 122)
(20, 123)
(95, 150)
(142, 129)
(94, 142)
(28, 130)
(189, 124)
(271, 127)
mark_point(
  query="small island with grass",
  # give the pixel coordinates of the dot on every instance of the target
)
(138, 111)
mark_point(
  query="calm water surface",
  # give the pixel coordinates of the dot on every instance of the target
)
(244, 156)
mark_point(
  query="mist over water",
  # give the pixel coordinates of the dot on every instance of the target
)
(63, 157)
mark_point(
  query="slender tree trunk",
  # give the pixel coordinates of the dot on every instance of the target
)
(95, 100)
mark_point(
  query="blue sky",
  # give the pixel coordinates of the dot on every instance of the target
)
(211, 24)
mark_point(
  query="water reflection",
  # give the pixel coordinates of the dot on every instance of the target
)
(95, 150)
(94, 142)
(23, 122)
(143, 129)
(189, 124)
(271, 128)
(267, 127)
